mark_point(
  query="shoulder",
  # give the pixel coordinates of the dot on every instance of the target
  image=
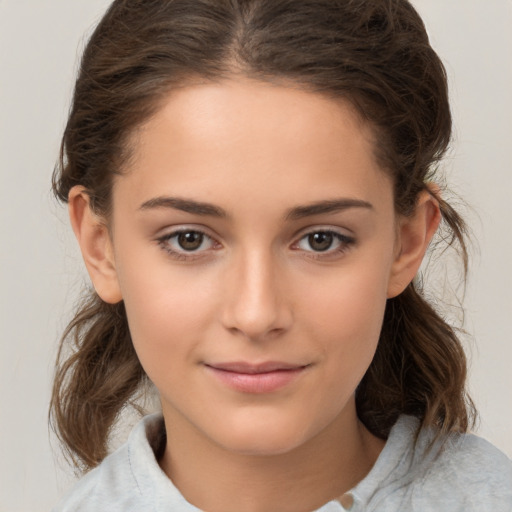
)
(458, 473)
(470, 474)
(475, 454)
(102, 488)
(114, 485)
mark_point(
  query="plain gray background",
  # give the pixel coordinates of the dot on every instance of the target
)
(40, 269)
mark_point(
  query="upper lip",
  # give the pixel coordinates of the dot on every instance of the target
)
(252, 368)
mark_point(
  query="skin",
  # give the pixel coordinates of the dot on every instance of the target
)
(257, 288)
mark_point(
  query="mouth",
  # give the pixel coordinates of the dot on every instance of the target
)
(264, 377)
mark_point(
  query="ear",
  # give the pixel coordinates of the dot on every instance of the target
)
(96, 246)
(413, 237)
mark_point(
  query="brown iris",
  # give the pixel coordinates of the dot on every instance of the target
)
(190, 240)
(320, 241)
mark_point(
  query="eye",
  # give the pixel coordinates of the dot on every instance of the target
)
(189, 240)
(186, 243)
(325, 241)
(321, 241)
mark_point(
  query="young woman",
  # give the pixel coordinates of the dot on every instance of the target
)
(252, 185)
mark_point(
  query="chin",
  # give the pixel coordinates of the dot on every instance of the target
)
(261, 438)
(264, 446)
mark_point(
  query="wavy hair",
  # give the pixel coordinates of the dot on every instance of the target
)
(374, 54)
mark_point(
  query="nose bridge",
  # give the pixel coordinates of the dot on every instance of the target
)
(257, 305)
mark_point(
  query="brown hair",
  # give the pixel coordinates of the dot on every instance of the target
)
(372, 53)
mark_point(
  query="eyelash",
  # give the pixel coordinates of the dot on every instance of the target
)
(345, 242)
(163, 241)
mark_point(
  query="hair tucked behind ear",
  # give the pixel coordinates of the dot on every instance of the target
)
(374, 54)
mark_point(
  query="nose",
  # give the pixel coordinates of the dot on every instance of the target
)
(257, 305)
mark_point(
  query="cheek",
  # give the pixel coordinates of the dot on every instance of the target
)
(346, 312)
(342, 318)
(167, 311)
(351, 301)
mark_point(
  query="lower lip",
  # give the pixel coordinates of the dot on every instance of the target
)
(257, 382)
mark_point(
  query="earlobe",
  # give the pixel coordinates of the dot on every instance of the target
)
(414, 235)
(96, 246)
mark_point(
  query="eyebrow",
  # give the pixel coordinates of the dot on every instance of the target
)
(295, 213)
(328, 206)
(185, 205)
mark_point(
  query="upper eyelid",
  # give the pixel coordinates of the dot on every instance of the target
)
(169, 231)
(332, 231)
(344, 232)
(173, 232)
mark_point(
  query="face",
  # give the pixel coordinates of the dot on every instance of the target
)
(253, 241)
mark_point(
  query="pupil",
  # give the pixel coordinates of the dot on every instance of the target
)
(190, 241)
(320, 241)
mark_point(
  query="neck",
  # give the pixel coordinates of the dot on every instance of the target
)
(302, 479)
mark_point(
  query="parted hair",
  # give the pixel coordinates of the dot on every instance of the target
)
(374, 54)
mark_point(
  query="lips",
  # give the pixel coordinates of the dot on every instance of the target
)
(242, 367)
(264, 377)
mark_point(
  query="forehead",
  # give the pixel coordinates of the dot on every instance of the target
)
(248, 139)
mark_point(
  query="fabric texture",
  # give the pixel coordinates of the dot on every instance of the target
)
(467, 475)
